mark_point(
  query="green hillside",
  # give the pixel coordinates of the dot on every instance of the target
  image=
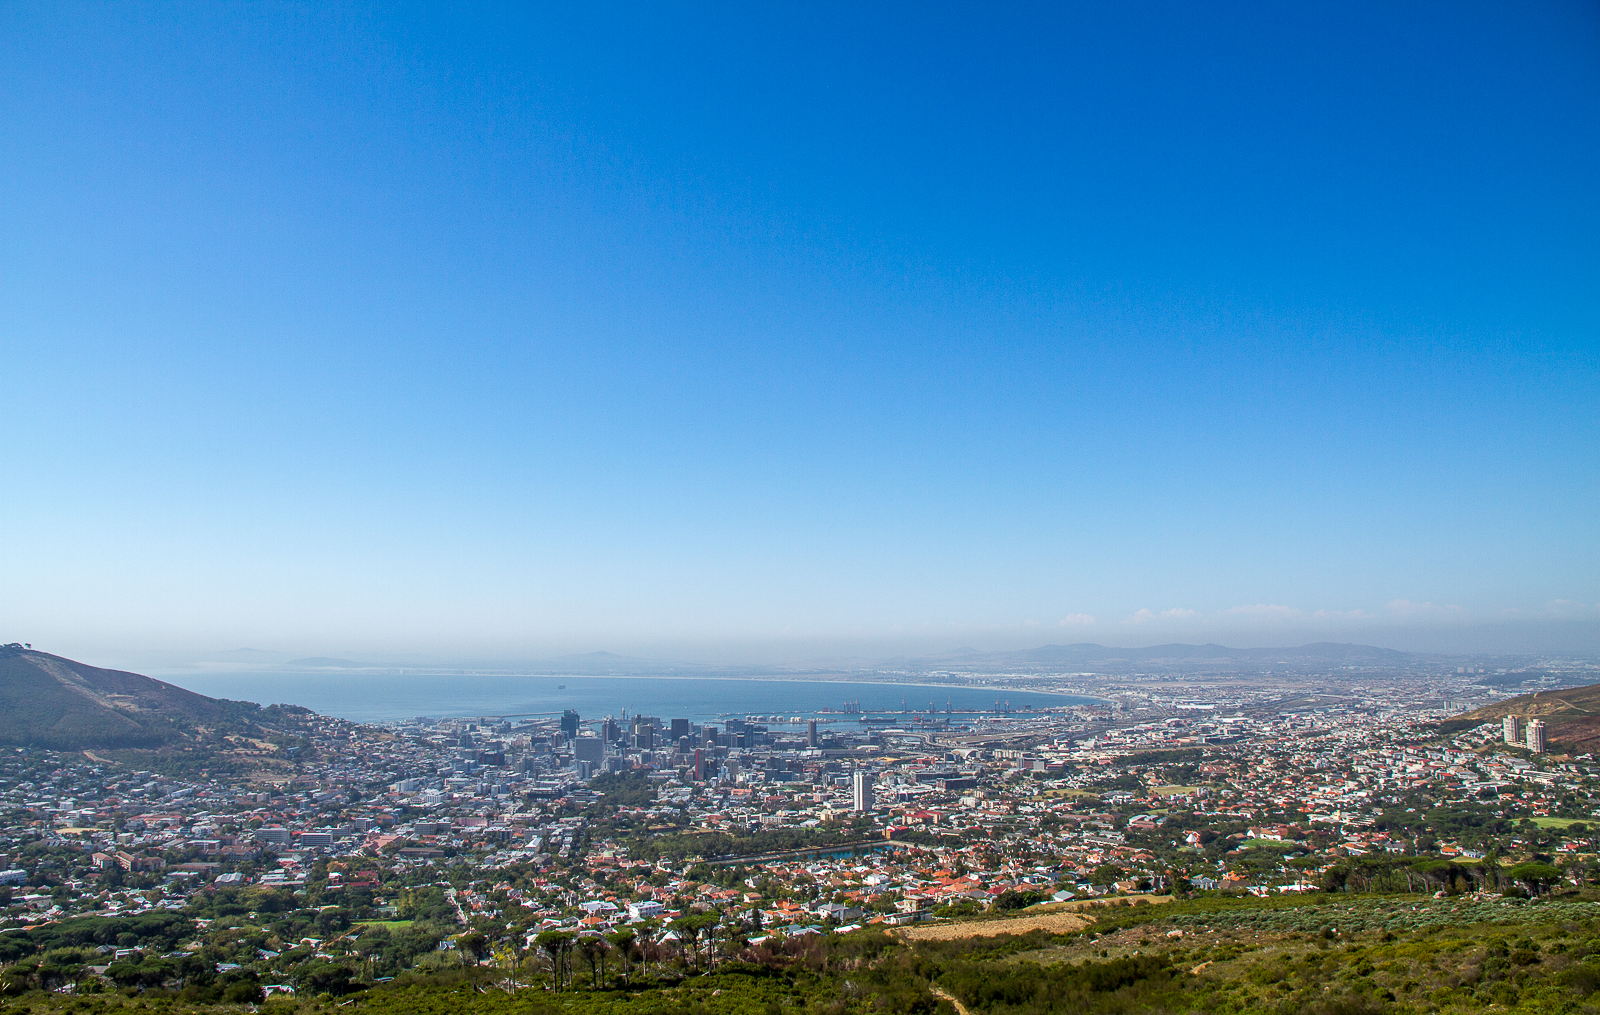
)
(58, 704)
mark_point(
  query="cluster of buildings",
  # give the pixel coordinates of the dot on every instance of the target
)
(1521, 732)
(788, 824)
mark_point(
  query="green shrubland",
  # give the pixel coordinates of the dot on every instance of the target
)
(1322, 954)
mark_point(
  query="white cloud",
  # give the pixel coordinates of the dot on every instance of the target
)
(1407, 608)
(1567, 608)
(1145, 616)
(1266, 610)
(1077, 620)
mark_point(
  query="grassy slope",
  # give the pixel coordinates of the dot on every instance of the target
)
(50, 702)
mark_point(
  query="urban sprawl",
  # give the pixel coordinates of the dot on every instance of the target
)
(480, 837)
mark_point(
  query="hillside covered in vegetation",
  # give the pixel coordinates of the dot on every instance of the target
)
(56, 704)
(1323, 954)
(1571, 716)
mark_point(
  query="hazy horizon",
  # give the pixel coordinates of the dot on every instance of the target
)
(1506, 641)
(760, 335)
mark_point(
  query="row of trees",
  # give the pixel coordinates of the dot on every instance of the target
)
(1371, 874)
(697, 937)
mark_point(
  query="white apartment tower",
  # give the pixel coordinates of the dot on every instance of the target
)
(863, 792)
(1536, 736)
(1512, 724)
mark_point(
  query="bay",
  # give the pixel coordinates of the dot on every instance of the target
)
(391, 696)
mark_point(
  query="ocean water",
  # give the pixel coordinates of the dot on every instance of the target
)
(378, 697)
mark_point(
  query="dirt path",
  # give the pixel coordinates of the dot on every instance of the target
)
(940, 992)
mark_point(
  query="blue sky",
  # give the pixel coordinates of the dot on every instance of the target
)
(759, 331)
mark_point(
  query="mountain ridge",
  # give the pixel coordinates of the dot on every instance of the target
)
(1089, 653)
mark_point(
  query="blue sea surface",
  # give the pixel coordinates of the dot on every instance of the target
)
(379, 697)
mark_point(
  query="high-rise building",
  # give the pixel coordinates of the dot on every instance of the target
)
(699, 765)
(811, 734)
(680, 729)
(569, 724)
(1511, 725)
(1536, 736)
(863, 792)
(589, 749)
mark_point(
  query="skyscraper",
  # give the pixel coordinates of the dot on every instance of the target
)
(863, 792)
(1536, 736)
(811, 734)
(1512, 727)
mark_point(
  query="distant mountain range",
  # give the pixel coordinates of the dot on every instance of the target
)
(50, 702)
(1080, 656)
(1091, 658)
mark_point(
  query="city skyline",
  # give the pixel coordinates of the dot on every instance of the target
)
(800, 332)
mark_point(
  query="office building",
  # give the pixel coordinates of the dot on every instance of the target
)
(589, 749)
(1536, 736)
(811, 734)
(680, 729)
(863, 792)
(1512, 727)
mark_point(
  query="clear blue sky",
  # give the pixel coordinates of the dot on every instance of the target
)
(754, 330)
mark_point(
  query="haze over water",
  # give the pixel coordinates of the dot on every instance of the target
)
(380, 697)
